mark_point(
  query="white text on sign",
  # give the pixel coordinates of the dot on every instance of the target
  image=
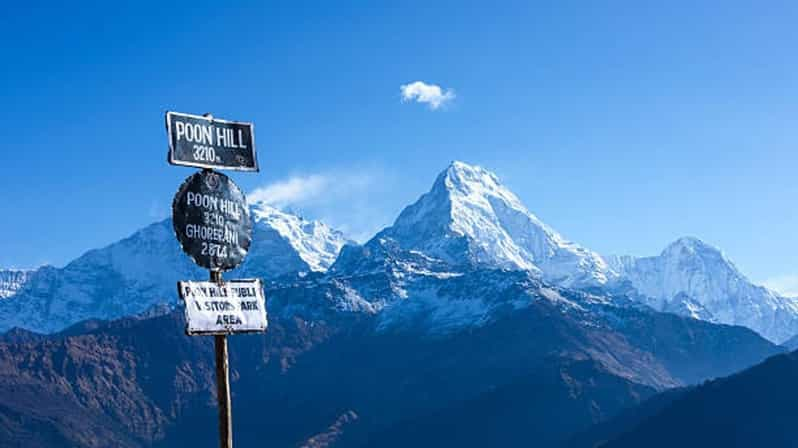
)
(210, 135)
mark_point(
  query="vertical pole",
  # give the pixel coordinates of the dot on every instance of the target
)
(223, 383)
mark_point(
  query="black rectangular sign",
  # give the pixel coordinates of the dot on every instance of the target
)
(207, 142)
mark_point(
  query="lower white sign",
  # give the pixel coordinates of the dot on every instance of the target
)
(235, 306)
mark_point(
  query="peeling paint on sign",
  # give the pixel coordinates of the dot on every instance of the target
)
(235, 306)
(211, 220)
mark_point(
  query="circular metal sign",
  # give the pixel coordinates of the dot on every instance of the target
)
(211, 221)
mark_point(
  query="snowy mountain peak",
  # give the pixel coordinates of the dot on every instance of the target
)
(469, 216)
(692, 272)
(471, 180)
(690, 243)
(691, 251)
(689, 246)
(470, 187)
(316, 243)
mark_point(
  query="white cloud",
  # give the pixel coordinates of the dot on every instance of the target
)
(291, 191)
(784, 284)
(431, 94)
(351, 200)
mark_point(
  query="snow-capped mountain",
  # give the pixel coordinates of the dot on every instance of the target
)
(283, 243)
(691, 277)
(11, 280)
(470, 217)
(447, 309)
(138, 272)
(467, 226)
(467, 222)
(124, 278)
(465, 253)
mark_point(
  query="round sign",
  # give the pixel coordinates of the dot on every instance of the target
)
(211, 221)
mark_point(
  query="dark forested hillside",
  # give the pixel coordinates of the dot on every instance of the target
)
(757, 407)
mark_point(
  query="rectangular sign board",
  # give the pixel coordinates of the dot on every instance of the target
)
(235, 306)
(207, 142)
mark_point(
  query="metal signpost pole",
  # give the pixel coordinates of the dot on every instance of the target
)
(223, 382)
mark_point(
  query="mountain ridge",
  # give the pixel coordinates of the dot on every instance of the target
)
(469, 215)
(416, 322)
(137, 272)
(690, 270)
(467, 220)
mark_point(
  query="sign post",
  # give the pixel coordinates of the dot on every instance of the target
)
(212, 223)
(222, 382)
(223, 392)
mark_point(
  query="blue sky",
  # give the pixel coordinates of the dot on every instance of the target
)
(623, 125)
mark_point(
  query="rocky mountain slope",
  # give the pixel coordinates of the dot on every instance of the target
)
(142, 382)
(12, 280)
(469, 219)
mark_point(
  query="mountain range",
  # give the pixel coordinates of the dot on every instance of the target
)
(467, 322)
(468, 218)
(139, 272)
(693, 278)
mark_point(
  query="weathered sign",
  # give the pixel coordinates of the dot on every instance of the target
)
(235, 306)
(211, 220)
(207, 142)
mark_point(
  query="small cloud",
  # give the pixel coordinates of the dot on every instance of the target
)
(351, 200)
(291, 191)
(431, 94)
(786, 285)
